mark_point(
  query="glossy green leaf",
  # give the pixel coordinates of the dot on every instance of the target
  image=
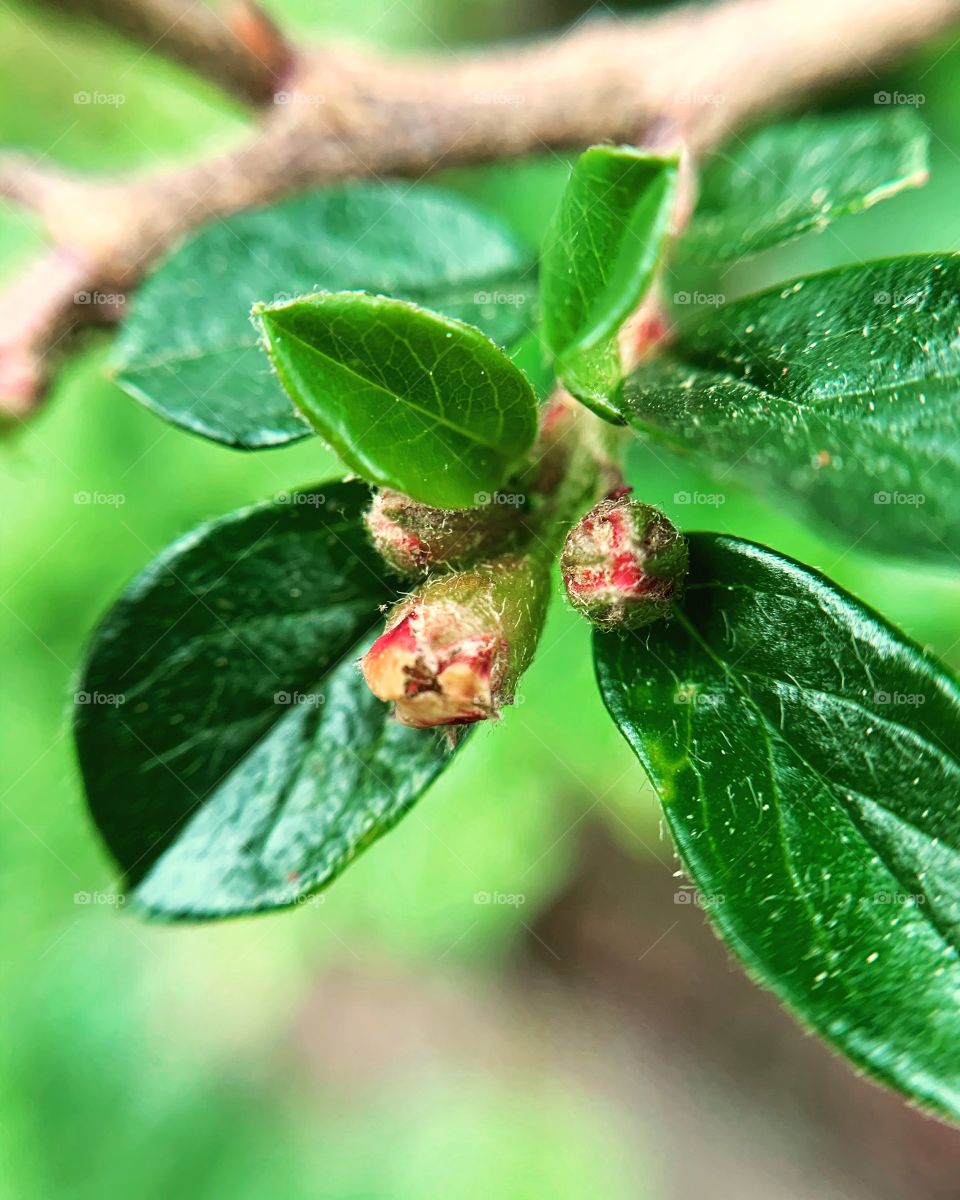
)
(838, 394)
(806, 754)
(409, 399)
(599, 258)
(188, 350)
(788, 179)
(233, 758)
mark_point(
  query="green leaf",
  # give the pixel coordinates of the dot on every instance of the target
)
(789, 179)
(599, 258)
(806, 754)
(189, 352)
(838, 394)
(409, 399)
(234, 759)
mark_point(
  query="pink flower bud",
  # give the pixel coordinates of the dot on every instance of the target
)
(452, 653)
(623, 564)
(415, 539)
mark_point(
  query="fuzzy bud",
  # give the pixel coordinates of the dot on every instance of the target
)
(623, 564)
(453, 652)
(415, 539)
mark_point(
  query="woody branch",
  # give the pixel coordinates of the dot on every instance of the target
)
(342, 112)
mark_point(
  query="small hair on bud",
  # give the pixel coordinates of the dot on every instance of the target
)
(624, 563)
(453, 652)
(416, 539)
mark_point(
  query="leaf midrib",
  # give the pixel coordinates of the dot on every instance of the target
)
(469, 436)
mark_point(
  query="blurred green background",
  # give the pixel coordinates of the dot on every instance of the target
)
(393, 1041)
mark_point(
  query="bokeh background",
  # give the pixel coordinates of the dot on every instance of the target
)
(584, 1036)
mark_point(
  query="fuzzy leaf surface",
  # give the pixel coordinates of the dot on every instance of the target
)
(189, 351)
(838, 394)
(242, 762)
(408, 398)
(789, 179)
(807, 756)
(599, 259)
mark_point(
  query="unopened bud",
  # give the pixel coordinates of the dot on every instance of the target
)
(453, 652)
(415, 539)
(623, 564)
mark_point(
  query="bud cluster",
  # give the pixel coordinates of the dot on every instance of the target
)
(453, 651)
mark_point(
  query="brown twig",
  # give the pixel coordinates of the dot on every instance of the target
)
(696, 72)
(241, 51)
